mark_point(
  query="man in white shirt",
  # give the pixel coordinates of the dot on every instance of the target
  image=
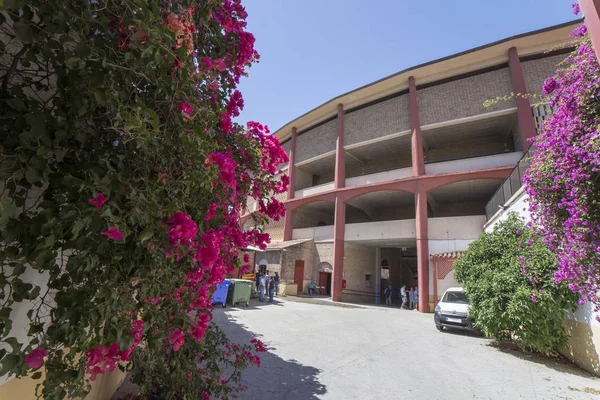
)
(403, 296)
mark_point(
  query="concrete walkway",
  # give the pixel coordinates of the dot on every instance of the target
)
(320, 351)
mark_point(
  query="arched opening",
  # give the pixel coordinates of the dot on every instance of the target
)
(262, 266)
(465, 198)
(318, 213)
(325, 278)
(385, 205)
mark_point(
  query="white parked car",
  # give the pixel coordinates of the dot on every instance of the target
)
(453, 310)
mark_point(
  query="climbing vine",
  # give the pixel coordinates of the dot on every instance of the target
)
(123, 177)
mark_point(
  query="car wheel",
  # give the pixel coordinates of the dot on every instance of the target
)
(440, 328)
(224, 305)
(247, 304)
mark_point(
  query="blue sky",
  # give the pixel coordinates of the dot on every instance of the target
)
(314, 50)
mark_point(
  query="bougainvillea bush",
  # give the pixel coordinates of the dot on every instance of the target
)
(563, 182)
(122, 179)
(508, 275)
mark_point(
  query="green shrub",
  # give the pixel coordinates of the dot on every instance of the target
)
(508, 275)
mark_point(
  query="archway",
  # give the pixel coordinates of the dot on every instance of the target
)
(325, 278)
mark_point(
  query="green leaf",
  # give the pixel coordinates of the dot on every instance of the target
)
(7, 209)
(36, 375)
(23, 32)
(32, 175)
(14, 344)
(16, 104)
(9, 363)
(146, 235)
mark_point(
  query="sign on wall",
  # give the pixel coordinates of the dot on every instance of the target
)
(385, 272)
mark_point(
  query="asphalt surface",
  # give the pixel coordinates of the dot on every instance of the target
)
(321, 351)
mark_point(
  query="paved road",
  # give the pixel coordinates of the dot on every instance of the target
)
(329, 352)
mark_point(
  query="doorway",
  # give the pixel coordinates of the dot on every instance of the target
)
(299, 274)
(325, 281)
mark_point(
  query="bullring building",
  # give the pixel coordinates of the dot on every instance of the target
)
(391, 181)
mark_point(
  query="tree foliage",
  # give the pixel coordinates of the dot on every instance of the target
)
(122, 180)
(508, 275)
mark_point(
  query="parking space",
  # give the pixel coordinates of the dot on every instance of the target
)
(320, 351)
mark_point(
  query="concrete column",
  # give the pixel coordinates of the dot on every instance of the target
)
(524, 115)
(591, 13)
(338, 249)
(416, 142)
(288, 226)
(292, 166)
(378, 275)
(340, 154)
(422, 248)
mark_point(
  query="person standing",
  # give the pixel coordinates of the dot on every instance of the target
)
(271, 289)
(261, 287)
(276, 278)
(257, 276)
(403, 297)
(388, 295)
(411, 298)
(416, 295)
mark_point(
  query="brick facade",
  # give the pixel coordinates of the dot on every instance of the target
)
(323, 253)
(464, 97)
(316, 141)
(303, 251)
(359, 264)
(381, 119)
(536, 72)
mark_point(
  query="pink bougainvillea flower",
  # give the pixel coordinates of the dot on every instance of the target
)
(176, 339)
(182, 230)
(35, 359)
(185, 107)
(98, 201)
(113, 233)
(246, 258)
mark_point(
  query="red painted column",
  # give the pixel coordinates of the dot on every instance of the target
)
(289, 215)
(292, 166)
(591, 13)
(422, 248)
(340, 210)
(338, 249)
(340, 154)
(416, 142)
(524, 115)
(418, 165)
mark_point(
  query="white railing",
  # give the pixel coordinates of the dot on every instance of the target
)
(317, 233)
(313, 190)
(379, 177)
(399, 229)
(467, 164)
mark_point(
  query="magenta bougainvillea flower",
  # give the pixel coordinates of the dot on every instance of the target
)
(113, 233)
(35, 359)
(98, 201)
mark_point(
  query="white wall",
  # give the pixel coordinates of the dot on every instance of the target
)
(466, 164)
(464, 227)
(379, 177)
(381, 230)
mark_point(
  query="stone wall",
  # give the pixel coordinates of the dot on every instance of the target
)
(303, 251)
(359, 261)
(316, 141)
(272, 258)
(464, 97)
(536, 72)
(380, 119)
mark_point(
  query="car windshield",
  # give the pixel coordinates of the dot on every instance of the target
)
(455, 297)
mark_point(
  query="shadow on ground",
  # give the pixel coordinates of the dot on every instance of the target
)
(276, 378)
(557, 363)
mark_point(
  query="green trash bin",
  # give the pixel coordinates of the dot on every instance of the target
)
(239, 292)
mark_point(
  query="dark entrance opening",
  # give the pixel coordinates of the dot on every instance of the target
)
(325, 283)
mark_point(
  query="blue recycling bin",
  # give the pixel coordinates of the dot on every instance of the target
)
(220, 294)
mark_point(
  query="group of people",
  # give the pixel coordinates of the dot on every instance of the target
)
(267, 285)
(409, 297)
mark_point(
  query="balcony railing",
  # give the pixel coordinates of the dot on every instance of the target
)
(510, 186)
